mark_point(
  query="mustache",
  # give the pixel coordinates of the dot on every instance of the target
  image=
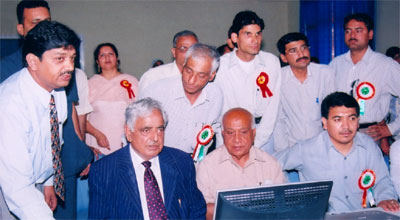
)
(67, 72)
(305, 58)
(351, 39)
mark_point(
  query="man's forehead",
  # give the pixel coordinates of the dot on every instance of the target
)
(342, 111)
(38, 11)
(64, 49)
(293, 43)
(183, 39)
(355, 24)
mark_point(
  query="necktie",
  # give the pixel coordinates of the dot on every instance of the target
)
(56, 151)
(155, 203)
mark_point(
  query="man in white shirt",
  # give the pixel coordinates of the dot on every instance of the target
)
(370, 77)
(250, 78)
(26, 140)
(181, 43)
(304, 86)
(190, 100)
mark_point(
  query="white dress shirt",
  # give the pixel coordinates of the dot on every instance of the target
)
(299, 117)
(83, 107)
(395, 165)
(379, 70)
(184, 119)
(139, 171)
(25, 143)
(157, 73)
(241, 90)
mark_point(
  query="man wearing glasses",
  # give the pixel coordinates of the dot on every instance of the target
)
(181, 43)
(304, 86)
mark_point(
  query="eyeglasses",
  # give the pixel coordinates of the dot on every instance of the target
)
(182, 49)
(295, 50)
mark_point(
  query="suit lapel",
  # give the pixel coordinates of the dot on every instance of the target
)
(169, 175)
(128, 178)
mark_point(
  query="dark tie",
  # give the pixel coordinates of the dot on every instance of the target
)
(155, 203)
(56, 151)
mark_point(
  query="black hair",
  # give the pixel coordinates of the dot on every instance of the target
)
(288, 38)
(360, 17)
(49, 35)
(244, 18)
(96, 55)
(338, 99)
(221, 49)
(392, 51)
(29, 4)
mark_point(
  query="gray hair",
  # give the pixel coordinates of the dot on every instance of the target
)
(182, 34)
(143, 108)
(202, 50)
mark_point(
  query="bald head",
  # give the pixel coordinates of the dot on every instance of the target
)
(238, 132)
(238, 114)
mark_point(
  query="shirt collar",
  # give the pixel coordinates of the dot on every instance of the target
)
(365, 58)
(137, 160)
(34, 89)
(234, 59)
(179, 93)
(357, 142)
(225, 156)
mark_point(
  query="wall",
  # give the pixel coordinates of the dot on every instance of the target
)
(143, 30)
(387, 24)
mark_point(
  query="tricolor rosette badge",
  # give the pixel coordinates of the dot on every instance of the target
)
(204, 138)
(262, 82)
(365, 90)
(366, 182)
(128, 86)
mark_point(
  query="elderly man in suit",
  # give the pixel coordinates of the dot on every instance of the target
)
(145, 180)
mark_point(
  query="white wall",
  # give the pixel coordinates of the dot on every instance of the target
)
(143, 30)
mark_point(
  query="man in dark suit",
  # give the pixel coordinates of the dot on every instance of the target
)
(129, 183)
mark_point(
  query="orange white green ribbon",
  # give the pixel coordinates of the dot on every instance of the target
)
(128, 86)
(366, 182)
(262, 82)
(204, 137)
(365, 91)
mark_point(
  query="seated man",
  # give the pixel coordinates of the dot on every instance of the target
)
(343, 155)
(124, 186)
(237, 163)
(189, 99)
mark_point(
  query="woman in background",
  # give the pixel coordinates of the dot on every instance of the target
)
(110, 92)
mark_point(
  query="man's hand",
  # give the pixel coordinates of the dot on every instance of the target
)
(210, 211)
(379, 131)
(85, 171)
(390, 205)
(95, 152)
(50, 197)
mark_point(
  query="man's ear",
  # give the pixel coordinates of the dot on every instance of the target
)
(324, 122)
(234, 37)
(20, 29)
(283, 58)
(128, 133)
(173, 51)
(32, 61)
(212, 76)
(370, 34)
